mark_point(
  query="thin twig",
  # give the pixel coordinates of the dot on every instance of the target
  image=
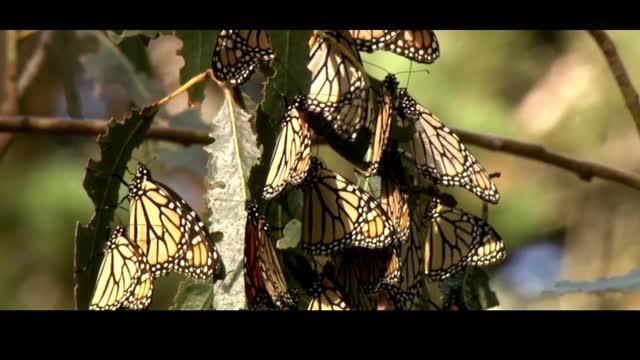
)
(620, 73)
(585, 169)
(50, 125)
(10, 104)
(33, 65)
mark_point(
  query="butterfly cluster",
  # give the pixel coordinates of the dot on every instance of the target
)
(364, 249)
(165, 235)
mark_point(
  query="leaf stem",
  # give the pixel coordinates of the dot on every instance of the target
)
(188, 85)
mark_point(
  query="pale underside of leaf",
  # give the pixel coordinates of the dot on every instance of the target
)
(231, 158)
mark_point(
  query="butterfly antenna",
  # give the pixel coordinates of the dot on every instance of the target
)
(376, 65)
(409, 76)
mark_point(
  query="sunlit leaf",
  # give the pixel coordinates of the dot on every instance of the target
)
(231, 158)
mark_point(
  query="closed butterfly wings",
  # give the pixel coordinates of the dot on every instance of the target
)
(265, 284)
(440, 154)
(169, 232)
(337, 214)
(417, 45)
(338, 88)
(124, 280)
(404, 272)
(394, 195)
(292, 155)
(326, 296)
(238, 53)
(383, 122)
(372, 40)
(456, 239)
(202, 260)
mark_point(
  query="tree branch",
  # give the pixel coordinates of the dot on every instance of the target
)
(50, 125)
(620, 73)
(586, 170)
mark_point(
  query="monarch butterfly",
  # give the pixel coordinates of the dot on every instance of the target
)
(264, 283)
(124, 280)
(337, 214)
(383, 121)
(417, 45)
(394, 194)
(441, 156)
(404, 273)
(202, 260)
(456, 239)
(372, 40)
(326, 296)
(338, 86)
(292, 155)
(169, 231)
(238, 53)
(359, 272)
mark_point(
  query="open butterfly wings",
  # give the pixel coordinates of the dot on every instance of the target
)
(456, 239)
(262, 270)
(169, 231)
(440, 154)
(238, 53)
(124, 280)
(337, 214)
(292, 155)
(338, 87)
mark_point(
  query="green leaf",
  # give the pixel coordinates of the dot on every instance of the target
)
(108, 65)
(472, 287)
(291, 75)
(197, 51)
(118, 35)
(292, 235)
(116, 147)
(194, 295)
(295, 202)
(628, 282)
(231, 158)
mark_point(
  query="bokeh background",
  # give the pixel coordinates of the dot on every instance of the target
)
(546, 87)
